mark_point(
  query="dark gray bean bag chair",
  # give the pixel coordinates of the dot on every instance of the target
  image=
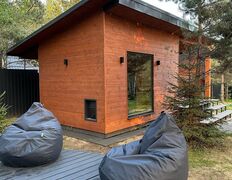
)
(160, 155)
(34, 139)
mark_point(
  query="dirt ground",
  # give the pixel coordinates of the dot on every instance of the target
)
(73, 143)
(211, 164)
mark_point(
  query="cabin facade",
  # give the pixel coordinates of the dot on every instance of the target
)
(104, 65)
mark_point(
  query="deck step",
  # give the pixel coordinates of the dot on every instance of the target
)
(214, 100)
(217, 117)
(210, 101)
(217, 107)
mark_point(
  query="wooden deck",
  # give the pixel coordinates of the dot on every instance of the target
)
(71, 165)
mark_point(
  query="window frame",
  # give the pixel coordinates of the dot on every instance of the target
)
(85, 106)
(146, 113)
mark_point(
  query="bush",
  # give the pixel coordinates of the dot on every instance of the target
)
(3, 112)
(204, 136)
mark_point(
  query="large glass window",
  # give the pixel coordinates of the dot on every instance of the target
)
(140, 83)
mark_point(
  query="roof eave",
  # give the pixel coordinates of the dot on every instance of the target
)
(155, 12)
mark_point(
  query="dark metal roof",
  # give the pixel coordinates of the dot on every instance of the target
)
(155, 12)
(28, 47)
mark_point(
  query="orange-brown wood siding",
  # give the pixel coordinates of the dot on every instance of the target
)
(63, 89)
(208, 65)
(122, 35)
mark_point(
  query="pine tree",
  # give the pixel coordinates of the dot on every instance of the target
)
(186, 103)
(186, 96)
(220, 31)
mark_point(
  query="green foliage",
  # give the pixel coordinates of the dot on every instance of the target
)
(204, 136)
(216, 73)
(220, 31)
(56, 7)
(213, 19)
(3, 112)
(18, 18)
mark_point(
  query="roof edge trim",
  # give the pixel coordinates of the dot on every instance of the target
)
(155, 12)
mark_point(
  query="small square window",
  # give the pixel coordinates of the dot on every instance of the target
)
(91, 110)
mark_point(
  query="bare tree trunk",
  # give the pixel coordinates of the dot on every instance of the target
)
(226, 91)
(3, 61)
(222, 87)
(199, 57)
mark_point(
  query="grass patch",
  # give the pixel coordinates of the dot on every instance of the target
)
(212, 163)
(229, 106)
(228, 102)
(200, 158)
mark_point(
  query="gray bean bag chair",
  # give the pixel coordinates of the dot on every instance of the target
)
(34, 139)
(160, 155)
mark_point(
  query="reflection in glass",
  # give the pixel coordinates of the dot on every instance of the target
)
(140, 83)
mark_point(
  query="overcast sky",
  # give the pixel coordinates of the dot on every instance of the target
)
(170, 6)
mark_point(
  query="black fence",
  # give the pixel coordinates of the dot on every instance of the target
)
(21, 88)
(216, 91)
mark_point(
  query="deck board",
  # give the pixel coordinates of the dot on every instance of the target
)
(85, 169)
(77, 167)
(89, 174)
(64, 164)
(70, 165)
(95, 178)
